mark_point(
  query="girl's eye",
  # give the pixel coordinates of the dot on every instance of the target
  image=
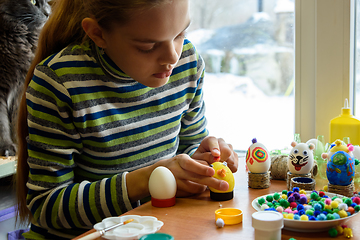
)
(147, 48)
(181, 35)
(145, 51)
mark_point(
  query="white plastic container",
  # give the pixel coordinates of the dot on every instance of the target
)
(267, 225)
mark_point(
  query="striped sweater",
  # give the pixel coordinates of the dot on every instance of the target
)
(89, 124)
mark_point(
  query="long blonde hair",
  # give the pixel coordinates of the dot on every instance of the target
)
(62, 28)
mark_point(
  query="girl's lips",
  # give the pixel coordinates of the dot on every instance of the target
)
(163, 74)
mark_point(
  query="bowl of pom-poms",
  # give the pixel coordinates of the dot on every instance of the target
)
(309, 211)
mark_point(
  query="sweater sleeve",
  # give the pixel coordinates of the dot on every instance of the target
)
(55, 199)
(193, 123)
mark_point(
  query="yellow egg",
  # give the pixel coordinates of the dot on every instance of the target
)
(222, 172)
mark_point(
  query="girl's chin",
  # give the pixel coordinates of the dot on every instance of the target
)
(156, 82)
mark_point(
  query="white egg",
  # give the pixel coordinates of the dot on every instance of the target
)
(258, 158)
(162, 183)
(319, 146)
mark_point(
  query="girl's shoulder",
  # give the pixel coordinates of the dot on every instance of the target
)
(72, 55)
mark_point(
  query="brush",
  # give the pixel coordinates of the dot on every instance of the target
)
(103, 231)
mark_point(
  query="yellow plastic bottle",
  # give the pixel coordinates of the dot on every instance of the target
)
(345, 125)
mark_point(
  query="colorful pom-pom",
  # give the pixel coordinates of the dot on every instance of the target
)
(314, 196)
(321, 217)
(333, 232)
(351, 210)
(269, 198)
(339, 229)
(342, 213)
(327, 201)
(293, 204)
(303, 200)
(261, 201)
(220, 222)
(348, 233)
(276, 196)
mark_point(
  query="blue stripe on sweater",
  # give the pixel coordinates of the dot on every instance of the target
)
(86, 204)
(53, 135)
(109, 203)
(51, 88)
(109, 112)
(41, 150)
(126, 155)
(57, 173)
(74, 64)
(132, 131)
(49, 111)
(66, 208)
(49, 207)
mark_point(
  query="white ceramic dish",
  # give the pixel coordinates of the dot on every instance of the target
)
(141, 225)
(307, 226)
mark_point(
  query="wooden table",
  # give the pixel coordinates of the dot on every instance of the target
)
(194, 218)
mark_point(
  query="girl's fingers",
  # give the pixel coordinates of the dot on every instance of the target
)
(199, 173)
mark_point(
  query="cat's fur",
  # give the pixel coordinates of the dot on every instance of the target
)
(20, 23)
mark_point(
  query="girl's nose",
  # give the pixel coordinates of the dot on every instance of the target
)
(169, 55)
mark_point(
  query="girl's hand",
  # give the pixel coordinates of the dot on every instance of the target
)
(213, 149)
(192, 177)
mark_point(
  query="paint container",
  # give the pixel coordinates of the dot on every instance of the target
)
(267, 225)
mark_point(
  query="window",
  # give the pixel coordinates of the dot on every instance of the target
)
(322, 71)
(248, 48)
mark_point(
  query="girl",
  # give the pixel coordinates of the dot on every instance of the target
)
(115, 91)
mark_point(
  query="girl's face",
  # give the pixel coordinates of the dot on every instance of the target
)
(149, 46)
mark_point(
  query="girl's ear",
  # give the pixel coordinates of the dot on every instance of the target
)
(94, 31)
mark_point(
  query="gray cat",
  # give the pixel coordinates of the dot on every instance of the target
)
(20, 24)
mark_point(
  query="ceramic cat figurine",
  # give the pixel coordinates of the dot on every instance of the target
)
(20, 24)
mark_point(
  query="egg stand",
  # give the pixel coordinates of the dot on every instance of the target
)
(291, 175)
(221, 196)
(259, 180)
(347, 190)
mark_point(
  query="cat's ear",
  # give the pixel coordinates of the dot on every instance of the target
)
(94, 31)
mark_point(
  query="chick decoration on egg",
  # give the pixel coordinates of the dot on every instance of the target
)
(222, 172)
(257, 158)
(340, 169)
(301, 158)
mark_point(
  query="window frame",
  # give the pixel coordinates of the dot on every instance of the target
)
(324, 37)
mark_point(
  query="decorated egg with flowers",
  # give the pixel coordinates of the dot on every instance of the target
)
(340, 170)
(257, 158)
